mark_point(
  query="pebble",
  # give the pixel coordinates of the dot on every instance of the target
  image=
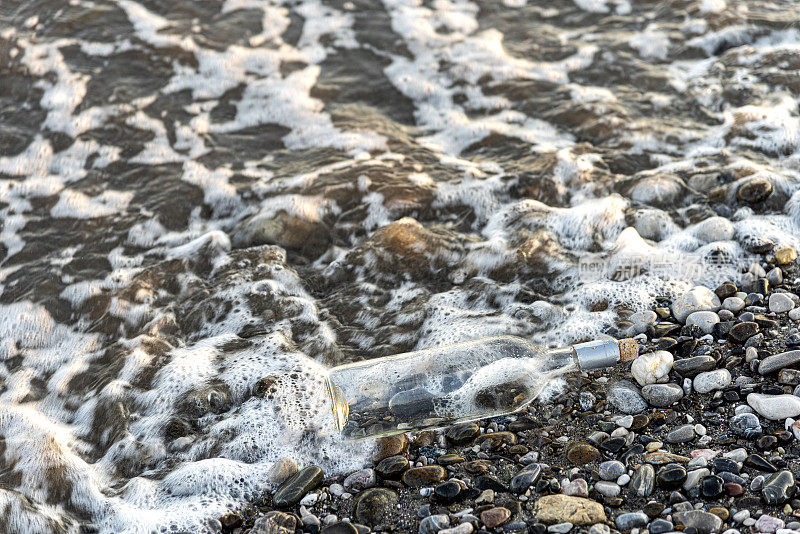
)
(578, 488)
(743, 331)
(754, 190)
(734, 304)
(567, 509)
(390, 446)
(296, 486)
(774, 407)
(778, 487)
(702, 522)
(690, 367)
(746, 425)
(274, 522)
(681, 434)
(671, 476)
(776, 362)
(495, 517)
(360, 480)
(660, 526)
(780, 303)
(525, 478)
(651, 367)
(611, 470)
(626, 397)
(428, 475)
(607, 489)
(580, 453)
(392, 467)
(712, 380)
(340, 527)
(631, 520)
(785, 255)
(281, 470)
(794, 315)
(704, 320)
(768, 524)
(374, 504)
(712, 486)
(693, 478)
(696, 299)
(641, 320)
(434, 523)
(461, 528)
(560, 528)
(643, 480)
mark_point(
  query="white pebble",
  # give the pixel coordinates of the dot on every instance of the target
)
(649, 368)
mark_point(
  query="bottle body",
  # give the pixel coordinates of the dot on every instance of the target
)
(441, 386)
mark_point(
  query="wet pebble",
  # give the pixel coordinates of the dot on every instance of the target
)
(626, 397)
(643, 480)
(525, 478)
(581, 453)
(681, 434)
(662, 395)
(778, 487)
(424, 476)
(374, 504)
(296, 486)
(434, 523)
(702, 522)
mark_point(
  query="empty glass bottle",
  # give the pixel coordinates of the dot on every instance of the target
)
(455, 383)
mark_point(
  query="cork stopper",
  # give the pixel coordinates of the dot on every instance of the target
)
(628, 349)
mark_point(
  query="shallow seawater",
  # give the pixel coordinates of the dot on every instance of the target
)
(197, 195)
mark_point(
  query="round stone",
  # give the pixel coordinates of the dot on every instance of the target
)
(427, 475)
(745, 425)
(651, 367)
(581, 453)
(392, 467)
(611, 470)
(754, 190)
(671, 477)
(696, 299)
(704, 320)
(733, 304)
(662, 395)
(447, 492)
(743, 331)
(774, 407)
(712, 380)
(712, 486)
(625, 397)
(495, 517)
(780, 303)
(374, 504)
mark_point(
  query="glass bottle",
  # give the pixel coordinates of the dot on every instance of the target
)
(457, 383)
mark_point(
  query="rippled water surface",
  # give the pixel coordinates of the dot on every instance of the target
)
(196, 195)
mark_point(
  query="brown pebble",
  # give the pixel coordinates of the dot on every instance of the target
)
(640, 421)
(427, 475)
(478, 467)
(720, 512)
(463, 433)
(390, 446)
(733, 489)
(449, 459)
(495, 517)
(580, 453)
(496, 439)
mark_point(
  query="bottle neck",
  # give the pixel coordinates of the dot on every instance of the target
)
(588, 356)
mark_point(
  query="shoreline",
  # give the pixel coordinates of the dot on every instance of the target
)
(620, 463)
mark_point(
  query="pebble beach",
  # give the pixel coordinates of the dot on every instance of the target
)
(698, 435)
